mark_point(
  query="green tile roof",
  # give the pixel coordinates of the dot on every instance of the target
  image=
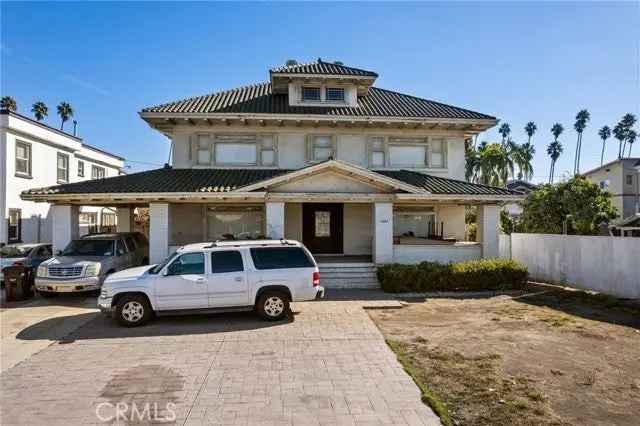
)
(323, 68)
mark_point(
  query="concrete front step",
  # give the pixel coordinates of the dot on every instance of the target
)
(348, 275)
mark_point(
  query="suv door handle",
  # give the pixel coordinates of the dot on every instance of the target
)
(200, 280)
(238, 279)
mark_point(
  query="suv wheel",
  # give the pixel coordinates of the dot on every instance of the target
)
(273, 305)
(133, 310)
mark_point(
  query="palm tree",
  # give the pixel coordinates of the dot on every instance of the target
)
(522, 157)
(604, 133)
(627, 122)
(555, 148)
(631, 138)
(7, 102)
(582, 118)
(620, 133)
(530, 129)
(65, 112)
(504, 130)
(39, 110)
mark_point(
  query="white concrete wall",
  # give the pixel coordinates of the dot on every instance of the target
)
(410, 254)
(159, 218)
(606, 264)
(64, 220)
(45, 144)
(358, 229)
(383, 233)
(274, 214)
(487, 233)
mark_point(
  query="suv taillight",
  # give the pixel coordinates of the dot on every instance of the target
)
(316, 279)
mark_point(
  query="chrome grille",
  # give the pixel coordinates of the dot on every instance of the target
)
(65, 271)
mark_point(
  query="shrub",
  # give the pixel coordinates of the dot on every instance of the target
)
(472, 275)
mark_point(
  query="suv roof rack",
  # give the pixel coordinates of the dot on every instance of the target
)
(242, 243)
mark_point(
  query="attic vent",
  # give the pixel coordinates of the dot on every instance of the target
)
(291, 62)
(338, 62)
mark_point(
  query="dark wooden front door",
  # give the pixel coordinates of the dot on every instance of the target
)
(322, 227)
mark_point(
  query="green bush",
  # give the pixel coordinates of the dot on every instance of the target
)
(473, 275)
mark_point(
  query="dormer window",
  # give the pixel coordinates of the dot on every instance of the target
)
(311, 94)
(335, 94)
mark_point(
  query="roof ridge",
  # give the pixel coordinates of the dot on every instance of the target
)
(432, 101)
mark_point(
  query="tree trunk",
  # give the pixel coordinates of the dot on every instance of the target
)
(602, 154)
(575, 159)
(579, 155)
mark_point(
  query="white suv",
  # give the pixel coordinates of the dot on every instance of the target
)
(264, 275)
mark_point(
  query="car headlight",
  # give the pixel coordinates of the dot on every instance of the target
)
(42, 271)
(92, 270)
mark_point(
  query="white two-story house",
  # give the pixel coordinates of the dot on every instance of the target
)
(316, 154)
(33, 154)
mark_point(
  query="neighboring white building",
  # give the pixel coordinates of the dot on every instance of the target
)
(317, 154)
(621, 178)
(33, 154)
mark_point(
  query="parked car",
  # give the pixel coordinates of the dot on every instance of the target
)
(23, 255)
(85, 263)
(262, 275)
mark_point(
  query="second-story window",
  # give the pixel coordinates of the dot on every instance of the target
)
(97, 172)
(321, 148)
(438, 153)
(81, 168)
(63, 168)
(203, 149)
(410, 153)
(268, 151)
(23, 159)
(311, 94)
(334, 94)
(376, 152)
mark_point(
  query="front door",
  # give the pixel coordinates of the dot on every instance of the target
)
(322, 227)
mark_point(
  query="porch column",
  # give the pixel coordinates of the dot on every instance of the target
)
(158, 232)
(124, 219)
(275, 220)
(383, 233)
(65, 225)
(488, 220)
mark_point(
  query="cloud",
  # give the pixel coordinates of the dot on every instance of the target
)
(86, 84)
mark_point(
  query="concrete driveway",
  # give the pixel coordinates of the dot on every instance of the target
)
(328, 364)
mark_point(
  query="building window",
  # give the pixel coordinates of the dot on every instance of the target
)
(236, 153)
(268, 151)
(108, 222)
(410, 153)
(89, 221)
(63, 168)
(415, 223)
(438, 153)
(203, 149)
(311, 94)
(97, 172)
(322, 224)
(23, 159)
(629, 179)
(321, 148)
(376, 152)
(80, 168)
(15, 226)
(334, 94)
(235, 223)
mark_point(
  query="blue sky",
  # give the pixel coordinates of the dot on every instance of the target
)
(517, 61)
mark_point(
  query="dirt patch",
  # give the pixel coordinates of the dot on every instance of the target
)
(560, 357)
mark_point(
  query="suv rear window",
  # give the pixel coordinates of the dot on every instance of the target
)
(280, 258)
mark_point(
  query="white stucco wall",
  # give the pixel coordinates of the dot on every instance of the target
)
(487, 233)
(410, 254)
(606, 264)
(383, 233)
(45, 144)
(358, 229)
(159, 219)
(64, 220)
(274, 217)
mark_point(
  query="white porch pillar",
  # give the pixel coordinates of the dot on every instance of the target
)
(65, 225)
(275, 220)
(158, 232)
(488, 220)
(124, 219)
(383, 233)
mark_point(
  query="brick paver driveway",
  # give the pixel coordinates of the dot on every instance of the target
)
(328, 365)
